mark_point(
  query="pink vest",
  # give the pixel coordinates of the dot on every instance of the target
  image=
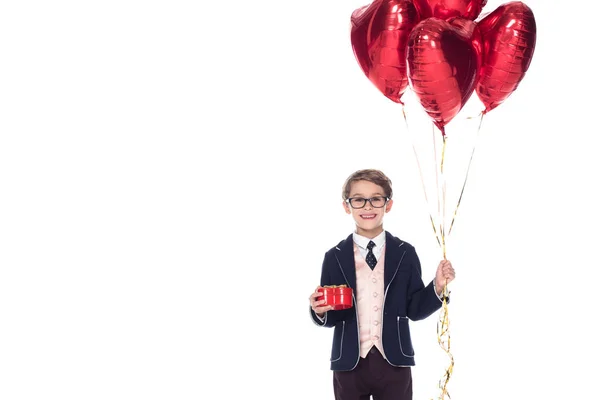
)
(369, 299)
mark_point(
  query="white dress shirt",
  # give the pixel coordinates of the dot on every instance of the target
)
(362, 243)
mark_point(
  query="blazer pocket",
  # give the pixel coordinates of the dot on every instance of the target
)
(338, 341)
(404, 340)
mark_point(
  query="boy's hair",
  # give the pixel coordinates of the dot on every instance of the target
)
(371, 175)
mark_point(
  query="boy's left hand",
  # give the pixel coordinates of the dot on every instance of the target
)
(444, 275)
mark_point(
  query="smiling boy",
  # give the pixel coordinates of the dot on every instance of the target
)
(372, 350)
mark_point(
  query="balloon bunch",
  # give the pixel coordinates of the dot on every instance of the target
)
(443, 52)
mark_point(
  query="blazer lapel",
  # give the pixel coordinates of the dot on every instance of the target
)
(345, 257)
(393, 258)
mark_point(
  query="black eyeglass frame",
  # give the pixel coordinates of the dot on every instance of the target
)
(349, 201)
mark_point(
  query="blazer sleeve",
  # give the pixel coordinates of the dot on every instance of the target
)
(422, 300)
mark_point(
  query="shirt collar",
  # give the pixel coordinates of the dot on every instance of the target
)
(362, 241)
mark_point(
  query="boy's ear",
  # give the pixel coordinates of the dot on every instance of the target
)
(346, 207)
(389, 204)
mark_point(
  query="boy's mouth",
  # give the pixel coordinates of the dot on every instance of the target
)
(368, 216)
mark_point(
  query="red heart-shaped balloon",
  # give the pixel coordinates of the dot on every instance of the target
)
(379, 35)
(359, 27)
(443, 59)
(446, 9)
(509, 36)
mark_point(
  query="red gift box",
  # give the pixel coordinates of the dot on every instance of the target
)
(340, 297)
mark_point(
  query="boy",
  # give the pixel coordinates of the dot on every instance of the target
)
(372, 350)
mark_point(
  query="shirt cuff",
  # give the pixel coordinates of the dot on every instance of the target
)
(440, 297)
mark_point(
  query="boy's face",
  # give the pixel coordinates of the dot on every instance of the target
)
(369, 219)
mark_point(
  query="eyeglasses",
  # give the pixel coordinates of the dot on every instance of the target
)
(360, 202)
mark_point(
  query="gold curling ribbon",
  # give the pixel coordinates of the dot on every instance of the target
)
(443, 325)
(443, 332)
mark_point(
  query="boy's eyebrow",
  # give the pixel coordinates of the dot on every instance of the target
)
(362, 195)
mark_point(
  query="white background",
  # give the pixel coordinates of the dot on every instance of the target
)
(170, 178)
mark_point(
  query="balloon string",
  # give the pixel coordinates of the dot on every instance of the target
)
(443, 217)
(443, 326)
(422, 178)
(437, 185)
(443, 331)
(466, 175)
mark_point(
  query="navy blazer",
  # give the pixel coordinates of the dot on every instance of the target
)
(405, 297)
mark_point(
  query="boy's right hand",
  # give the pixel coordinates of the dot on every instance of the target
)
(317, 305)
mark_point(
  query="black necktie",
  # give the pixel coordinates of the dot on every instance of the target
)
(371, 260)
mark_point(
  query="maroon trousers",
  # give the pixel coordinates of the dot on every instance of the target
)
(373, 376)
